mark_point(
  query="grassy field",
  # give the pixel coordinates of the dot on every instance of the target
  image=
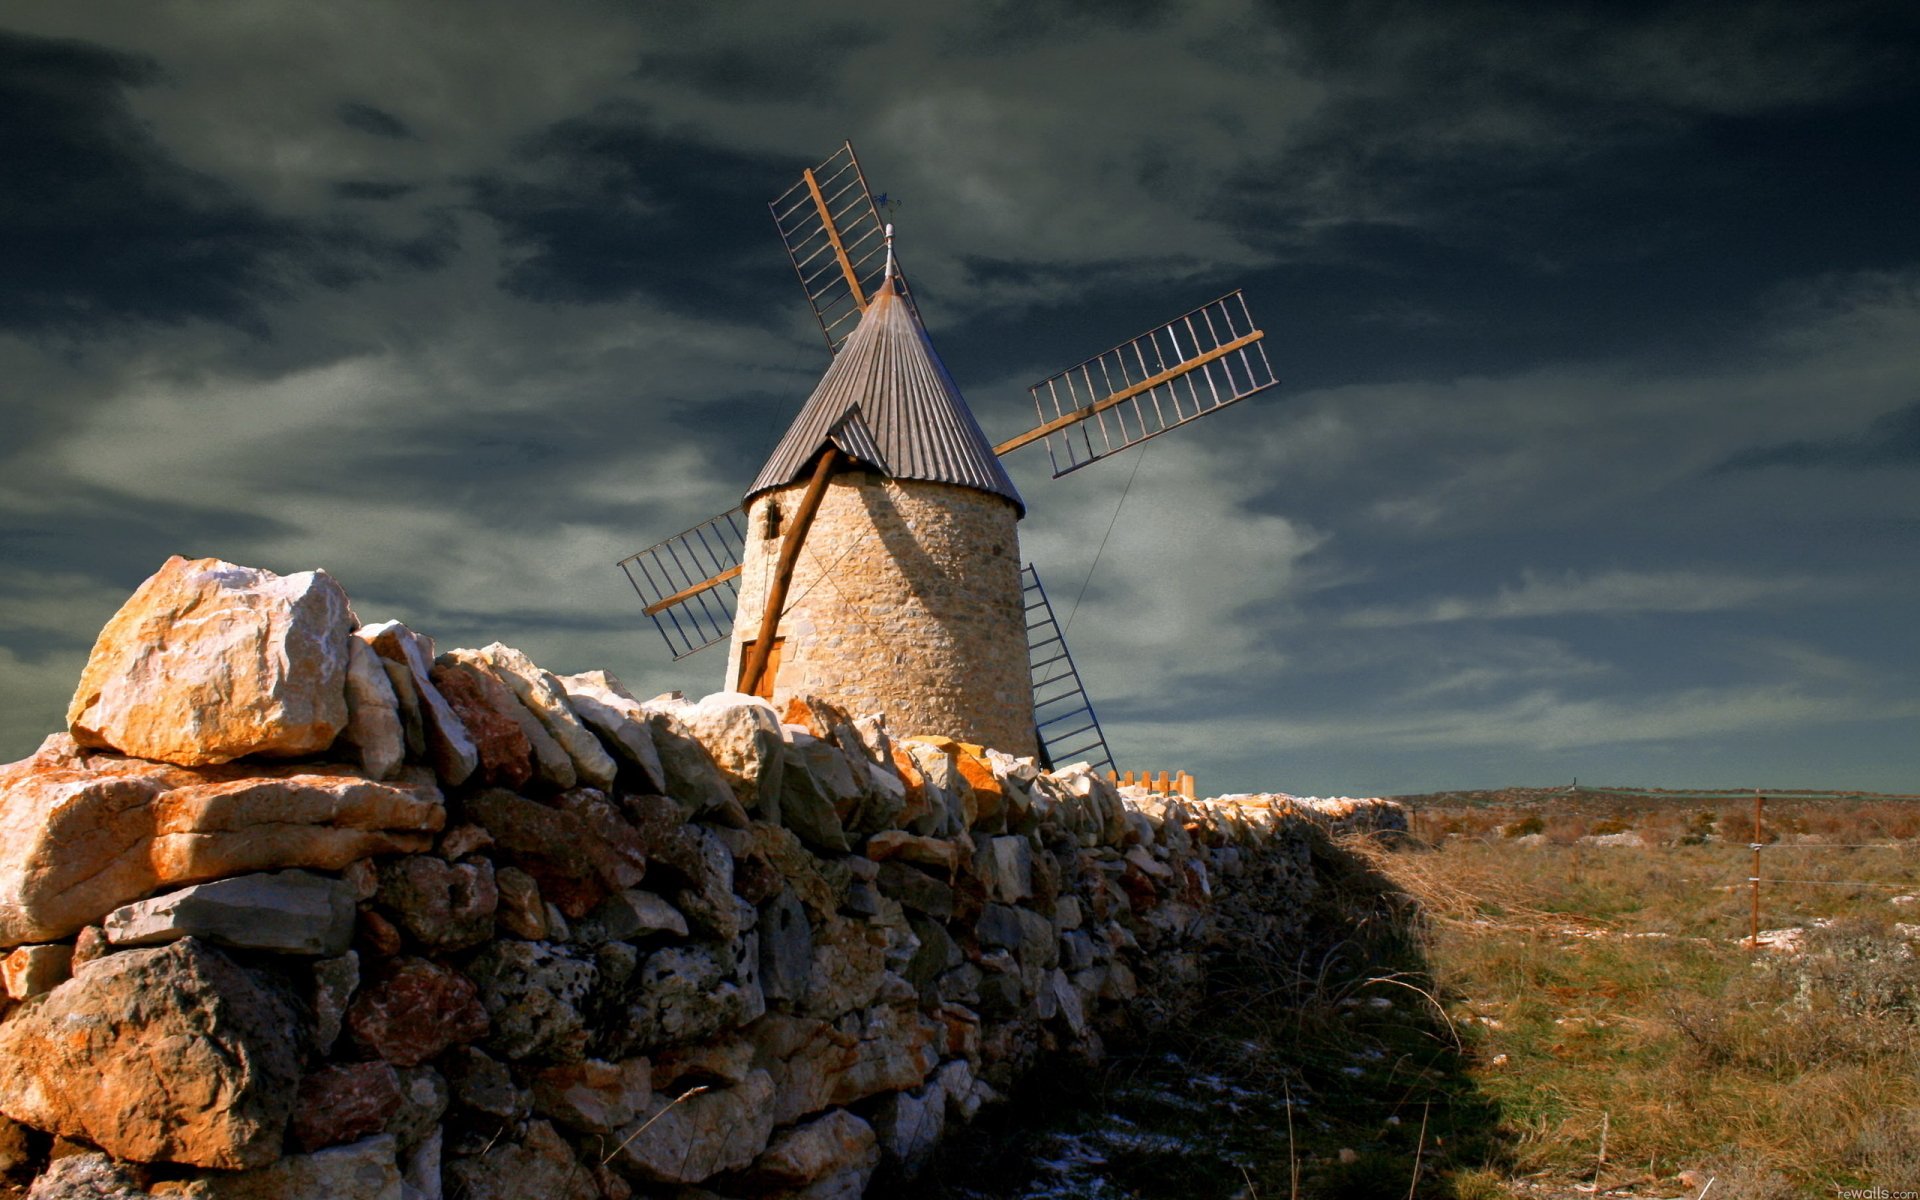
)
(1525, 1002)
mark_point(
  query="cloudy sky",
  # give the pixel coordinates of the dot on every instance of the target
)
(1597, 453)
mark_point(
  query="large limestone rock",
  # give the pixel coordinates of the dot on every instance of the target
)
(691, 776)
(742, 733)
(697, 1135)
(548, 758)
(540, 1164)
(612, 712)
(364, 1170)
(374, 725)
(447, 743)
(541, 693)
(287, 912)
(167, 1055)
(209, 661)
(831, 1156)
(81, 835)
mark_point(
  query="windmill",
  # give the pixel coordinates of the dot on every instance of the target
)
(875, 558)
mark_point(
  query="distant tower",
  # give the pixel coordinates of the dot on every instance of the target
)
(905, 595)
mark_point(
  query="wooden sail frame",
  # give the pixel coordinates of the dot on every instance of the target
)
(1191, 367)
(836, 241)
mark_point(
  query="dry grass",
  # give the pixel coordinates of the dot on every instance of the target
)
(1607, 993)
(1488, 1016)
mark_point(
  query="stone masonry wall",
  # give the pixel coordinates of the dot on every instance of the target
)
(906, 601)
(298, 908)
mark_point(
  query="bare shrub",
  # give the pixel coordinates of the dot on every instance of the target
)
(1528, 824)
(1889, 1147)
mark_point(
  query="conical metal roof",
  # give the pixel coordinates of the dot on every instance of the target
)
(908, 418)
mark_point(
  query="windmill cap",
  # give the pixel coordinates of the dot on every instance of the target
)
(888, 395)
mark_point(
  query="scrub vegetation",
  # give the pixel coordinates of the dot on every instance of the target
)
(1568, 1010)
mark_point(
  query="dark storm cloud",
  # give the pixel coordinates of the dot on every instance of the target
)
(1891, 441)
(95, 221)
(109, 539)
(371, 189)
(98, 223)
(1578, 182)
(376, 121)
(1528, 274)
(624, 210)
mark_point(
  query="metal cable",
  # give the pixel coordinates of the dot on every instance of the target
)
(1103, 542)
(1832, 846)
(1831, 882)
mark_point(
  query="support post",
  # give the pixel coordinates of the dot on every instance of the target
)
(1753, 937)
(783, 571)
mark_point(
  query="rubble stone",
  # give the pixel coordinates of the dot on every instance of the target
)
(209, 661)
(82, 834)
(172, 1054)
(287, 912)
(412, 1009)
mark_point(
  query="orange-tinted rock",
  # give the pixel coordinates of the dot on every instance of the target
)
(939, 853)
(82, 834)
(979, 789)
(916, 785)
(209, 661)
(167, 1055)
(990, 795)
(34, 970)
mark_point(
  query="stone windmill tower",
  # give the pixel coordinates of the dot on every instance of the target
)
(875, 560)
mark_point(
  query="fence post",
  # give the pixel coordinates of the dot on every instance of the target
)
(1753, 938)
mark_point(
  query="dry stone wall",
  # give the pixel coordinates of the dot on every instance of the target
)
(512, 934)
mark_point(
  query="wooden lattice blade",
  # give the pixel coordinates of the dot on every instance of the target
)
(1194, 365)
(686, 583)
(835, 240)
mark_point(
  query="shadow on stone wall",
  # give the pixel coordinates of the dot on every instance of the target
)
(1338, 1023)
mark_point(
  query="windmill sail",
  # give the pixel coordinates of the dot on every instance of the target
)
(1192, 366)
(835, 240)
(687, 582)
(1063, 718)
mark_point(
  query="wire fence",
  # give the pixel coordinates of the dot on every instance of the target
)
(1757, 878)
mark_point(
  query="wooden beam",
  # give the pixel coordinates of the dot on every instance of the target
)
(783, 570)
(688, 593)
(833, 235)
(1127, 393)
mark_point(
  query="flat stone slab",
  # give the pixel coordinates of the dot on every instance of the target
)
(82, 834)
(289, 912)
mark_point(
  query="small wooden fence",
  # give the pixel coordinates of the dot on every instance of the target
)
(1180, 783)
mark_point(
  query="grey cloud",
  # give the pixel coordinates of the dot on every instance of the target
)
(1893, 440)
(1522, 270)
